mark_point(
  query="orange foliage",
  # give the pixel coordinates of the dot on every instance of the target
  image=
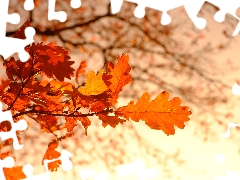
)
(159, 114)
(24, 93)
(94, 85)
(14, 173)
(51, 153)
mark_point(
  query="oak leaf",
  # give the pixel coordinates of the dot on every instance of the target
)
(4, 155)
(94, 84)
(14, 173)
(110, 120)
(117, 77)
(63, 86)
(72, 122)
(81, 69)
(51, 153)
(159, 114)
(4, 84)
(48, 123)
(20, 33)
(52, 60)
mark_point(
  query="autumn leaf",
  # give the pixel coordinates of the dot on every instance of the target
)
(4, 84)
(110, 120)
(5, 126)
(20, 34)
(94, 84)
(4, 155)
(51, 153)
(72, 122)
(63, 86)
(97, 106)
(119, 77)
(53, 102)
(14, 173)
(38, 101)
(159, 114)
(85, 122)
(48, 123)
(81, 69)
(52, 60)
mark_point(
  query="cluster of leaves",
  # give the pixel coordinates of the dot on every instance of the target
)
(37, 89)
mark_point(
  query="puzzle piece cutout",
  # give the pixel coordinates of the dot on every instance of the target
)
(236, 89)
(227, 7)
(66, 166)
(230, 125)
(133, 168)
(192, 9)
(52, 14)
(9, 46)
(8, 162)
(230, 175)
(90, 173)
(20, 125)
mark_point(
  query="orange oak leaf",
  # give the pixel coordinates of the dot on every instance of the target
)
(63, 86)
(81, 69)
(52, 101)
(4, 84)
(4, 155)
(94, 84)
(38, 101)
(159, 114)
(119, 76)
(48, 123)
(110, 120)
(72, 122)
(51, 153)
(97, 106)
(85, 122)
(14, 173)
(52, 60)
(20, 34)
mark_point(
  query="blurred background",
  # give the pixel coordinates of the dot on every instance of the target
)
(199, 66)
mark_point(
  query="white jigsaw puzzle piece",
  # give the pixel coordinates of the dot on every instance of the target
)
(75, 4)
(28, 5)
(66, 166)
(60, 15)
(192, 9)
(20, 125)
(9, 46)
(227, 7)
(230, 125)
(52, 14)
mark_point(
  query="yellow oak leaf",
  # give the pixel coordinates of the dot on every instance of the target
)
(94, 84)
